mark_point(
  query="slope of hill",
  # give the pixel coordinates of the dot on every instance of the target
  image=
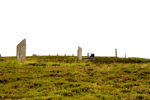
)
(67, 78)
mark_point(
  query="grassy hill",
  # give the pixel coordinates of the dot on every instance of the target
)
(64, 77)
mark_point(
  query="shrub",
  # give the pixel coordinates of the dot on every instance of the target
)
(55, 64)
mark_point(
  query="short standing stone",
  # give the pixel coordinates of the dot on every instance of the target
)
(34, 54)
(79, 53)
(21, 50)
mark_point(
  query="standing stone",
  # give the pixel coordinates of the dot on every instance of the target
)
(79, 53)
(34, 54)
(125, 55)
(21, 50)
(0, 55)
(116, 52)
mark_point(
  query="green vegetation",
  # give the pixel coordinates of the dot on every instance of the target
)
(66, 78)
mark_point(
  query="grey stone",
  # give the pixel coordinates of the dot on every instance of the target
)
(79, 53)
(116, 52)
(21, 51)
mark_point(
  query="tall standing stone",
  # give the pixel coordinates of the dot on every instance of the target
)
(79, 53)
(116, 52)
(21, 50)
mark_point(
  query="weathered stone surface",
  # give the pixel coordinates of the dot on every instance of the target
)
(34, 54)
(79, 53)
(116, 52)
(21, 50)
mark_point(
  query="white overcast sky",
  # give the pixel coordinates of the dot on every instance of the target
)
(60, 26)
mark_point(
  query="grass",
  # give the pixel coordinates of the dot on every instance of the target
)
(65, 78)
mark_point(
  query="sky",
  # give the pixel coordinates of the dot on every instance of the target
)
(59, 26)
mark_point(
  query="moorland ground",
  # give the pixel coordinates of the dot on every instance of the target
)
(66, 78)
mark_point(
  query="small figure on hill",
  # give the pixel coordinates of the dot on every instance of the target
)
(92, 55)
(0, 55)
(88, 54)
